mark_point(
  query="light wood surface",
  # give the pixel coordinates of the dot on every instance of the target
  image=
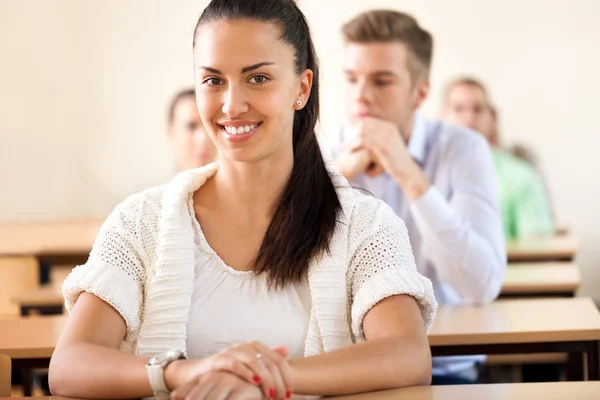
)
(517, 321)
(34, 337)
(505, 391)
(45, 296)
(521, 359)
(19, 275)
(509, 391)
(48, 298)
(48, 238)
(507, 321)
(541, 277)
(542, 249)
(5, 378)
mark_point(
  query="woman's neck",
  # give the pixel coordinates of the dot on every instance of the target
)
(249, 189)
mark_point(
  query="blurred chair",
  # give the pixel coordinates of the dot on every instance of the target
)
(19, 274)
(5, 379)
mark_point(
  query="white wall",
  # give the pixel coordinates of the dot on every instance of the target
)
(84, 86)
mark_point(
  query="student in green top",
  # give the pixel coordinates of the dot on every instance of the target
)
(522, 194)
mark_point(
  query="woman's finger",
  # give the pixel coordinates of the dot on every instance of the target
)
(223, 387)
(283, 368)
(254, 360)
(182, 391)
(280, 392)
(205, 384)
(246, 392)
(236, 366)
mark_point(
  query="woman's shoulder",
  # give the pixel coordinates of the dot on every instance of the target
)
(149, 202)
(142, 204)
(374, 214)
(364, 214)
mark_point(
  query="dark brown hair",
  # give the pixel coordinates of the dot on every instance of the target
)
(390, 26)
(305, 217)
(183, 94)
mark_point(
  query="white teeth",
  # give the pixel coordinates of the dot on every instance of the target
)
(232, 130)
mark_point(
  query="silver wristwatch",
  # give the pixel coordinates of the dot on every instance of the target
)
(156, 372)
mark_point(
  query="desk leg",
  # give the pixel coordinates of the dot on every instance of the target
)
(26, 382)
(593, 360)
(574, 368)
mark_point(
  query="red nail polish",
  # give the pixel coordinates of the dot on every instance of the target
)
(272, 393)
(288, 394)
(256, 379)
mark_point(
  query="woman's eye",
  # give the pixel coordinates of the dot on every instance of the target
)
(212, 82)
(259, 79)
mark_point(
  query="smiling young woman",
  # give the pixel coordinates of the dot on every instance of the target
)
(261, 275)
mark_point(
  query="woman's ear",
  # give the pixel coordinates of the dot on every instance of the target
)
(306, 80)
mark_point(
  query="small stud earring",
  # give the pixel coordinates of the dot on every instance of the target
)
(298, 103)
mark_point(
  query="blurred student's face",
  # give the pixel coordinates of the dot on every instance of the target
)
(247, 88)
(467, 105)
(192, 147)
(379, 83)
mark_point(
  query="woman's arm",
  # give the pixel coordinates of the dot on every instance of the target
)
(396, 354)
(87, 362)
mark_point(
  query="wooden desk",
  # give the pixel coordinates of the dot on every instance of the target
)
(503, 327)
(551, 279)
(506, 391)
(46, 300)
(555, 248)
(64, 242)
(522, 326)
(30, 342)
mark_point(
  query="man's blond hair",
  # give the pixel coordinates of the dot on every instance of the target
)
(394, 26)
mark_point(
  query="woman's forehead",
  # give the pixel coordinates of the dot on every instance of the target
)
(239, 43)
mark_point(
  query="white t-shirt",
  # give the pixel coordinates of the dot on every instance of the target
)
(231, 307)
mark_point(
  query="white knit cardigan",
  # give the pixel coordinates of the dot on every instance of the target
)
(142, 264)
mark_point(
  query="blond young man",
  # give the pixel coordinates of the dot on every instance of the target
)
(437, 177)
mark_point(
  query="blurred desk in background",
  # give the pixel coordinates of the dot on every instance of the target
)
(45, 300)
(30, 342)
(518, 326)
(554, 248)
(505, 391)
(541, 279)
(61, 242)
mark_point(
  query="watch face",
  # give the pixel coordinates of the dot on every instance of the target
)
(167, 356)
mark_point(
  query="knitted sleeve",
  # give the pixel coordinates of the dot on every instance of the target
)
(115, 269)
(382, 264)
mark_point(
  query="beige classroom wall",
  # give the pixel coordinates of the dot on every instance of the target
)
(84, 87)
(84, 90)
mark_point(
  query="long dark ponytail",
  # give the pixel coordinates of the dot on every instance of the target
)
(305, 217)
